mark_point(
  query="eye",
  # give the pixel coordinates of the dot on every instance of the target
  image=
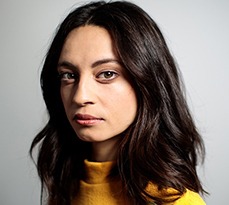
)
(107, 75)
(67, 77)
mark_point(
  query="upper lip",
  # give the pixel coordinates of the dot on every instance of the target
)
(86, 117)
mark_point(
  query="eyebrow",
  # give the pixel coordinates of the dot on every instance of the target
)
(67, 65)
(93, 65)
(104, 61)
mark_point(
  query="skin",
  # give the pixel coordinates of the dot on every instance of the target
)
(99, 100)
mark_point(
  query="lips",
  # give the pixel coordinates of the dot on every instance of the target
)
(85, 119)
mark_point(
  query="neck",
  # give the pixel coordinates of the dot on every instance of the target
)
(105, 150)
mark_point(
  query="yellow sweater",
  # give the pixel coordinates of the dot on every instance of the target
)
(98, 189)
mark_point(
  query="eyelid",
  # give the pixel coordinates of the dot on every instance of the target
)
(67, 76)
(104, 79)
(62, 74)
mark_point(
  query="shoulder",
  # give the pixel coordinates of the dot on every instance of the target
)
(188, 198)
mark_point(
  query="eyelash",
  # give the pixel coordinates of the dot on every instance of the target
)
(103, 77)
(67, 77)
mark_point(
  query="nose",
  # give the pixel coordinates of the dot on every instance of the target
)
(84, 93)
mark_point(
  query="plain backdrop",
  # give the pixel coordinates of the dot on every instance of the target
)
(197, 32)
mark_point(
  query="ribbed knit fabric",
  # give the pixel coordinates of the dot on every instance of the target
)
(98, 189)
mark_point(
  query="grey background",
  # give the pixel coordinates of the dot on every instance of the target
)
(197, 32)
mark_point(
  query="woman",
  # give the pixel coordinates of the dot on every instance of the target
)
(119, 129)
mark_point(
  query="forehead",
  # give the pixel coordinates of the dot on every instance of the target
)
(89, 41)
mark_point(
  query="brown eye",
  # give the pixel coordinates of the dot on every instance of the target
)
(67, 77)
(107, 75)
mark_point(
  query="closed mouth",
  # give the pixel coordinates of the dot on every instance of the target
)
(85, 119)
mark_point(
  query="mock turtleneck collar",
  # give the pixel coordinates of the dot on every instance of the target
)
(97, 172)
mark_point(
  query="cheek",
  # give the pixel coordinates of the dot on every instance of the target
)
(130, 104)
(125, 103)
(127, 95)
(62, 95)
(65, 97)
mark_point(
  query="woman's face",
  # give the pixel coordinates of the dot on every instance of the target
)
(99, 100)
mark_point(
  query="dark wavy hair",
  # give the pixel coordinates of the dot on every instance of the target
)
(162, 146)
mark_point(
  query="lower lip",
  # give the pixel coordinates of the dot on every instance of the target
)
(89, 122)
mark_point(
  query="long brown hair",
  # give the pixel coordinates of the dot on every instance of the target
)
(161, 146)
